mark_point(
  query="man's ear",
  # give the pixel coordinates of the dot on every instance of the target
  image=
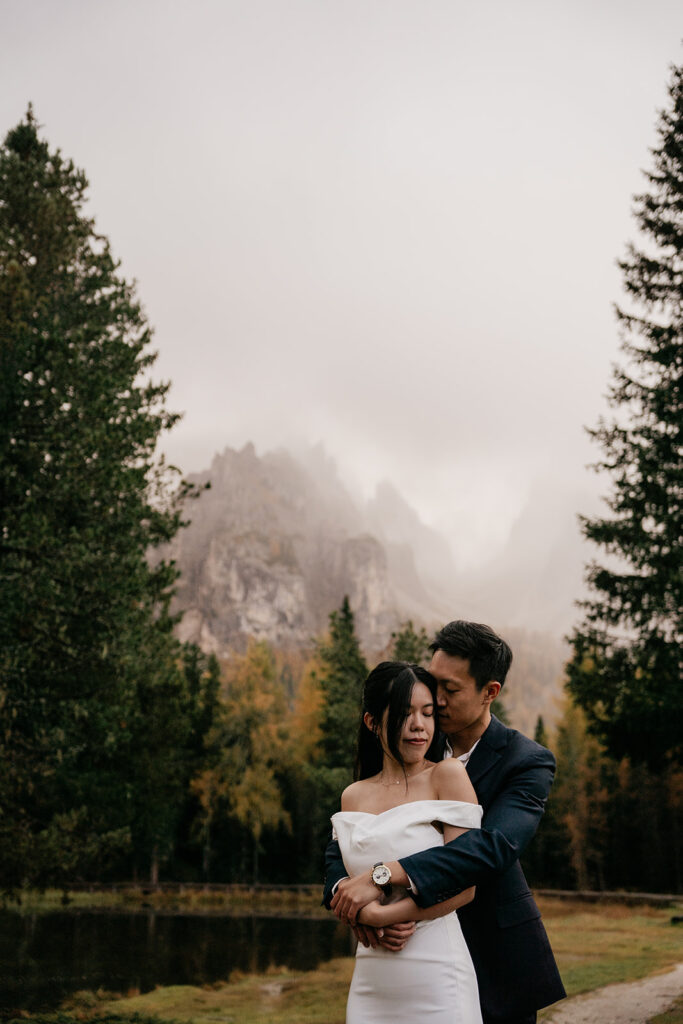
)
(369, 721)
(491, 691)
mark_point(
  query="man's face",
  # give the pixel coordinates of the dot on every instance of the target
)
(460, 704)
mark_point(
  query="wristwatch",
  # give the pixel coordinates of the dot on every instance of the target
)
(381, 876)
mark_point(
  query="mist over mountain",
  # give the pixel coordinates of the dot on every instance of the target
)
(536, 580)
(278, 540)
(275, 545)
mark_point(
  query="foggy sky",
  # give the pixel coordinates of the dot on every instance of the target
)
(391, 227)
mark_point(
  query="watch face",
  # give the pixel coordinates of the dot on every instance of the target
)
(381, 875)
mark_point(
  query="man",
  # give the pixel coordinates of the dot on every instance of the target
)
(512, 775)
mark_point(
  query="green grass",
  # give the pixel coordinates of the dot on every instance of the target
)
(674, 1015)
(276, 997)
(66, 1018)
(603, 944)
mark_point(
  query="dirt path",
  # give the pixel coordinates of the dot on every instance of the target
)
(632, 1003)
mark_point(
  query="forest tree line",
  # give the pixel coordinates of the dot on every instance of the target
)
(237, 780)
(280, 749)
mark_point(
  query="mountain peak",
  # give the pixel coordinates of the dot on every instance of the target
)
(273, 547)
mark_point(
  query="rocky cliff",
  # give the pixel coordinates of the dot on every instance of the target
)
(277, 542)
(274, 546)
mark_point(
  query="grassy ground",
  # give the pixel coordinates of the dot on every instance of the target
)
(674, 1015)
(602, 944)
(594, 946)
(277, 997)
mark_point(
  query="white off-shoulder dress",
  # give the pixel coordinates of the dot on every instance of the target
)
(431, 980)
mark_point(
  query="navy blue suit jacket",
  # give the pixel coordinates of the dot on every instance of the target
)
(515, 966)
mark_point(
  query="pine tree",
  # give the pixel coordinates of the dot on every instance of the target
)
(340, 672)
(626, 666)
(410, 645)
(545, 860)
(540, 734)
(84, 616)
(343, 672)
(499, 709)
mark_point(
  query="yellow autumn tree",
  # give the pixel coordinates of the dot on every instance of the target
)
(581, 796)
(306, 733)
(250, 741)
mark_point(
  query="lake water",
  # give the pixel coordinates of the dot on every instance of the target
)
(45, 957)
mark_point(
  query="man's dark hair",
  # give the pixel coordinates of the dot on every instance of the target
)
(489, 656)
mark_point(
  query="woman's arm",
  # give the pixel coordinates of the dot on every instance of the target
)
(451, 782)
(380, 915)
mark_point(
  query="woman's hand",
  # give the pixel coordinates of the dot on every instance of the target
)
(381, 915)
(368, 936)
(373, 913)
(394, 936)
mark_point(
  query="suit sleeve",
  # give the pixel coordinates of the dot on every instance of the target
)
(334, 869)
(508, 825)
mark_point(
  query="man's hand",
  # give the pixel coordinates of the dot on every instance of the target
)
(367, 935)
(351, 896)
(396, 935)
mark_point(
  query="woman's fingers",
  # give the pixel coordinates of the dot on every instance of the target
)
(396, 935)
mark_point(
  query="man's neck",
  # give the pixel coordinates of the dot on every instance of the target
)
(463, 741)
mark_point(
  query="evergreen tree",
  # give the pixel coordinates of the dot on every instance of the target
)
(499, 710)
(545, 859)
(343, 673)
(203, 678)
(626, 665)
(85, 629)
(410, 645)
(157, 769)
(340, 675)
(540, 734)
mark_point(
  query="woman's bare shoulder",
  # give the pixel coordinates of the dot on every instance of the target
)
(452, 782)
(450, 768)
(355, 796)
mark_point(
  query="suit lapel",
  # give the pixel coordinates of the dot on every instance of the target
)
(487, 752)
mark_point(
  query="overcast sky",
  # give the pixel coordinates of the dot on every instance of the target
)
(389, 226)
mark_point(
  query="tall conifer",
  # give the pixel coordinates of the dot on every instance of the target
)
(626, 665)
(344, 670)
(87, 652)
(409, 644)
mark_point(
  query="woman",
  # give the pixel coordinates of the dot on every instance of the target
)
(404, 802)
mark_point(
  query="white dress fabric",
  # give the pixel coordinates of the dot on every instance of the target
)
(431, 980)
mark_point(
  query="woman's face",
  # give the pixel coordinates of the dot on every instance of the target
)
(417, 731)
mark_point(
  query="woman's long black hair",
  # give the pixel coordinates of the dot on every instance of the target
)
(390, 686)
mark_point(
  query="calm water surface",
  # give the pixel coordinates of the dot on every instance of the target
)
(46, 957)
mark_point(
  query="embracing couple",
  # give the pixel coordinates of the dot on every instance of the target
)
(446, 800)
